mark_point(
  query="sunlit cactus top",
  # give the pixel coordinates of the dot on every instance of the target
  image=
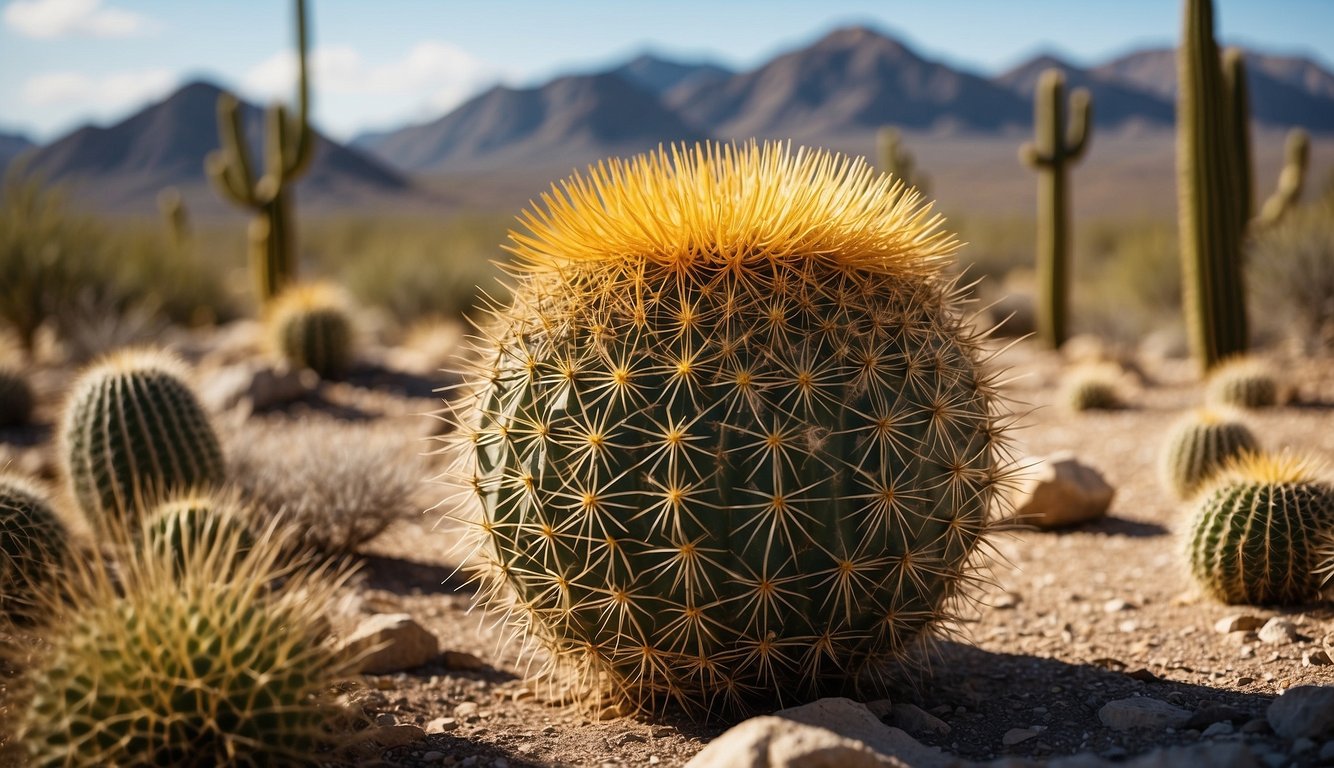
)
(740, 207)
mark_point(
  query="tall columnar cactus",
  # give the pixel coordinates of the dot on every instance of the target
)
(1056, 146)
(1258, 533)
(133, 431)
(34, 544)
(897, 161)
(289, 144)
(1200, 445)
(15, 396)
(175, 218)
(225, 661)
(1291, 178)
(731, 443)
(310, 326)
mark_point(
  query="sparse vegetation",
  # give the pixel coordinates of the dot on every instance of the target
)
(1292, 266)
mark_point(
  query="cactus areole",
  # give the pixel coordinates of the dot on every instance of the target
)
(730, 445)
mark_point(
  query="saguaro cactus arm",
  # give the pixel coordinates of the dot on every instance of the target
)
(1297, 154)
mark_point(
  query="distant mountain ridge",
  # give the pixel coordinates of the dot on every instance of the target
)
(11, 146)
(165, 143)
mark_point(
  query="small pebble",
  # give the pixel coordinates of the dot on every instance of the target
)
(1221, 728)
(434, 756)
(1239, 622)
(1278, 631)
(1116, 605)
(1017, 736)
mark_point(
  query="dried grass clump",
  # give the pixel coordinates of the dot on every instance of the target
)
(339, 485)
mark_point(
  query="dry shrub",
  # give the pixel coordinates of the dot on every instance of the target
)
(1292, 266)
(338, 484)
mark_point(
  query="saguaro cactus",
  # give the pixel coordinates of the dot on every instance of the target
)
(288, 148)
(1056, 146)
(1296, 152)
(897, 161)
(175, 218)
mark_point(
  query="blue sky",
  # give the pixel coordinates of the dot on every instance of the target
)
(381, 63)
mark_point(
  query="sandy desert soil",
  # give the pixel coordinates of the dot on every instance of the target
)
(1074, 620)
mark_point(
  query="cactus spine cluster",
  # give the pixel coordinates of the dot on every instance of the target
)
(289, 144)
(897, 161)
(1243, 382)
(730, 443)
(1057, 145)
(15, 397)
(33, 541)
(132, 433)
(1296, 152)
(1257, 535)
(193, 525)
(311, 327)
(1199, 446)
(225, 661)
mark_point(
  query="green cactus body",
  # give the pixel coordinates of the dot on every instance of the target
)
(133, 432)
(192, 526)
(175, 218)
(1201, 445)
(15, 397)
(730, 455)
(34, 542)
(1243, 383)
(1093, 387)
(311, 327)
(1291, 178)
(897, 161)
(1257, 534)
(289, 145)
(225, 661)
(1057, 146)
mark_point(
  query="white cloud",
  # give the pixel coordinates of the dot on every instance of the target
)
(435, 75)
(104, 94)
(68, 18)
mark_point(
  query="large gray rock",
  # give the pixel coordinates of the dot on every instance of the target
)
(1059, 491)
(1306, 711)
(1142, 712)
(391, 642)
(775, 742)
(853, 720)
(254, 385)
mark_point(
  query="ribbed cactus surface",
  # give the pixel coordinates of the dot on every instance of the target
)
(1199, 446)
(195, 525)
(311, 327)
(731, 443)
(33, 542)
(1093, 387)
(133, 432)
(1257, 535)
(1243, 383)
(1058, 144)
(225, 661)
(15, 397)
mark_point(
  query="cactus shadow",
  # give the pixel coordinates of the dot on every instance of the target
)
(410, 577)
(1121, 526)
(371, 376)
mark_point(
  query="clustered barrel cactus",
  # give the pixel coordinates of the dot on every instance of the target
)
(33, 544)
(224, 661)
(133, 432)
(1200, 445)
(731, 443)
(1257, 535)
(1093, 387)
(310, 326)
(1243, 382)
(192, 525)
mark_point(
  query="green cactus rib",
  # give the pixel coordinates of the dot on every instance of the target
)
(1056, 147)
(1201, 445)
(190, 526)
(132, 432)
(1243, 383)
(16, 399)
(1256, 541)
(737, 483)
(289, 146)
(34, 544)
(225, 660)
(312, 328)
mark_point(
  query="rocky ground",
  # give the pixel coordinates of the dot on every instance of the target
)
(1091, 640)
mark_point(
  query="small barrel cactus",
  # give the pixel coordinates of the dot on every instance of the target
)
(1257, 534)
(1243, 383)
(195, 525)
(1200, 445)
(132, 433)
(730, 445)
(226, 661)
(1093, 387)
(310, 326)
(15, 397)
(34, 542)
